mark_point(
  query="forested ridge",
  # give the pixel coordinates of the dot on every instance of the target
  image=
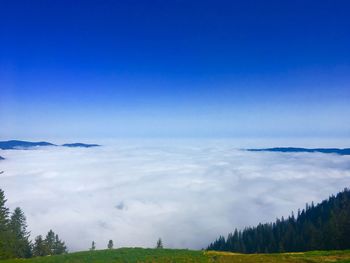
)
(325, 226)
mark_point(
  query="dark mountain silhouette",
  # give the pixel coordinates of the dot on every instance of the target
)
(80, 145)
(345, 151)
(2, 158)
(16, 144)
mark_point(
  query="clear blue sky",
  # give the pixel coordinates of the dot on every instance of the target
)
(174, 68)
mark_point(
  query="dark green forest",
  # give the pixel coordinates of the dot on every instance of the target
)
(325, 226)
(15, 238)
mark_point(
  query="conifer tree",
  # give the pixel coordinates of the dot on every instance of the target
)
(93, 246)
(54, 245)
(59, 246)
(5, 235)
(39, 247)
(4, 211)
(50, 242)
(159, 243)
(110, 244)
(21, 245)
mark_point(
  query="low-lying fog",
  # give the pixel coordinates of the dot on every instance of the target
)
(187, 195)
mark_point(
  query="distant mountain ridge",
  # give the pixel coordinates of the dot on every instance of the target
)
(80, 145)
(345, 151)
(16, 144)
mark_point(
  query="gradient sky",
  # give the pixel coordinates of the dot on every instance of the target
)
(174, 68)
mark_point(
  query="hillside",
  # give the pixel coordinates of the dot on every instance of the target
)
(325, 226)
(16, 144)
(132, 255)
(84, 145)
(345, 151)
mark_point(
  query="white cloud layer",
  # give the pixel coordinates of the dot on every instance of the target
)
(188, 195)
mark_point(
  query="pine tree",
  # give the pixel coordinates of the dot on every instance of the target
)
(59, 246)
(50, 242)
(39, 247)
(159, 243)
(5, 235)
(21, 245)
(93, 246)
(110, 244)
(54, 245)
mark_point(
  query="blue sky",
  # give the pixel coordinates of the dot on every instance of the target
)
(174, 68)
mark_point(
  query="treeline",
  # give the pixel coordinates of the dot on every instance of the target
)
(325, 226)
(15, 238)
(110, 245)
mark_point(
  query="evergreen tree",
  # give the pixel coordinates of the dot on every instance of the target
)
(159, 243)
(39, 247)
(54, 245)
(110, 244)
(59, 246)
(50, 242)
(93, 246)
(5, 235)
(21, 245)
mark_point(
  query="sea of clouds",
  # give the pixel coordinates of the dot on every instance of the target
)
(187, 194)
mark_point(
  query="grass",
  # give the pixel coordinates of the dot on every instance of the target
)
(306, 257)
(131, 255)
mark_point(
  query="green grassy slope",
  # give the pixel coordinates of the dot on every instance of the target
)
(130, 255)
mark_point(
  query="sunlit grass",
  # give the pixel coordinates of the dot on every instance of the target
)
(129, 255)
